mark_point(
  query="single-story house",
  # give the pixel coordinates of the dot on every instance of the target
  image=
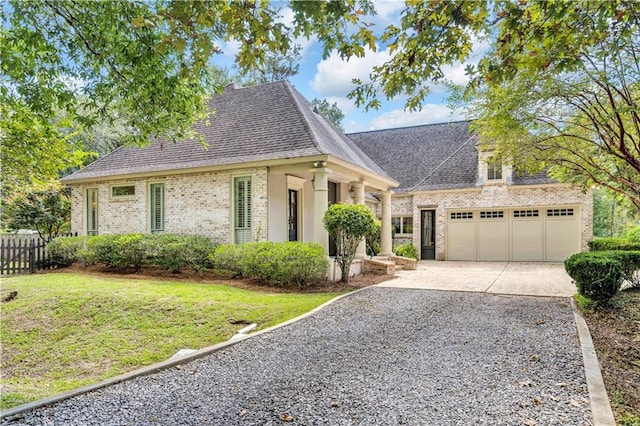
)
(273, 164)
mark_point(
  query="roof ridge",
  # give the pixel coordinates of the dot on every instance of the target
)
(410, 127)
(439, 166)
(307, 125)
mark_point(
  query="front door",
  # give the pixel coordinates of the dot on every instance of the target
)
(293, 215)
(428, 234)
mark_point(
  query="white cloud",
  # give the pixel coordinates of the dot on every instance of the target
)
(430, 113)
(334, 75)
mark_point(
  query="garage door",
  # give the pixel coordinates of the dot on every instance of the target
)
(517, 234)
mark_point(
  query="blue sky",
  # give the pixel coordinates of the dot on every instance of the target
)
(331, 79)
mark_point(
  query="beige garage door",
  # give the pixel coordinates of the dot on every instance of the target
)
(527, 234)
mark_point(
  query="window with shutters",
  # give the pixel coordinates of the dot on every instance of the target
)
(92, 211)
(242, 209)
(157, 207)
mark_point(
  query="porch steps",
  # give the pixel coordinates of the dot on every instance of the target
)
(387, 265)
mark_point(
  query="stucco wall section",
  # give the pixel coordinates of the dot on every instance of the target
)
(490, 196)
(194, 204)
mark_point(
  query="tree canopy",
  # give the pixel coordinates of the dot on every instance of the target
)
(66, 65)
(147, 61)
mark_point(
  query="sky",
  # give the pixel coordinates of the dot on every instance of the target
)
(331, 79)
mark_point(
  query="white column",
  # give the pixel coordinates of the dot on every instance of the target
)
(320, 205)
(385, 233)
(358, 198)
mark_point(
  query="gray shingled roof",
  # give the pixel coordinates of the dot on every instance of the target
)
(429, 157)
(266, 122)
(434, 156)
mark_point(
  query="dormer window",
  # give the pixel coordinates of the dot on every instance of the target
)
(494, 169)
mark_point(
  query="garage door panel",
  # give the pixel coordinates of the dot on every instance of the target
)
(492, 240)
(527, 240)
(461, 240)
(561, 238)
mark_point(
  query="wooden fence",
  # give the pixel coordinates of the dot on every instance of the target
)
(22, 254)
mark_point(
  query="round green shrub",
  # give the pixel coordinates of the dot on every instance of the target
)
(598, 275)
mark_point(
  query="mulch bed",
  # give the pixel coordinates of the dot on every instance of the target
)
(216, 277)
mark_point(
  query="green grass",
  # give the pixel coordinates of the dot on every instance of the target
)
(67, 330)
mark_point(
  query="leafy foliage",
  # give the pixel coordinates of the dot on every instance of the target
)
(174, 252)
(284, 264)
(46, 209)
(567, 100)
(598, 275)
(65, 251)
(613, 215)
(348, 225)
(118, 251)
(406, 250)
(605, 244)
(329, 111)
(67, 65)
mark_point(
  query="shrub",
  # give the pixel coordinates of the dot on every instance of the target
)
(347, 225)
(174, 252)
(406, 250)
(633, 234)
(283, 264)
(258, 260)
(598, 275)
(64, 251)
(228, 257)
(630, 263)
(604, 244)
(118, 251)
(299, 264)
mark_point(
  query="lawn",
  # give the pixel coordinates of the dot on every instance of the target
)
(65, 330)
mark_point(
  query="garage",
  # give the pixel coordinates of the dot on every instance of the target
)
(530, 234)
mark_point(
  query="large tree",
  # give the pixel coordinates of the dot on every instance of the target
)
(558, 87)
(147, 61)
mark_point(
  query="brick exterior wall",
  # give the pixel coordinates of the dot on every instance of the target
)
(489, 196)
(194, 204)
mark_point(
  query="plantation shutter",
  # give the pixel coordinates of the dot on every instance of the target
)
(242, 207)
(157, 207)
(92, 211)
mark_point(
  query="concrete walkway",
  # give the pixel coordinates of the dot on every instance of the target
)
(517, 278)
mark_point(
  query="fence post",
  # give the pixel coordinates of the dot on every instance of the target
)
(32, 257)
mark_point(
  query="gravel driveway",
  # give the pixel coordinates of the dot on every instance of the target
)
(382, 356)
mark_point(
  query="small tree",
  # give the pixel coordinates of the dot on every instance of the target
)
(347, 225)
(47, 210)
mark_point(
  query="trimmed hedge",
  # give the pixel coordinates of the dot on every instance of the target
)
(174, 252)
(604, 244)
(65, 251)
(282, 264)
(131, 251)
(598, 275)
(406, 250)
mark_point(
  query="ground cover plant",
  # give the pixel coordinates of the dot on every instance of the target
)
(60, 331)
(615, 329)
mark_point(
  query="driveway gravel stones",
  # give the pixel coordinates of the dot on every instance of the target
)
(380, 356)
